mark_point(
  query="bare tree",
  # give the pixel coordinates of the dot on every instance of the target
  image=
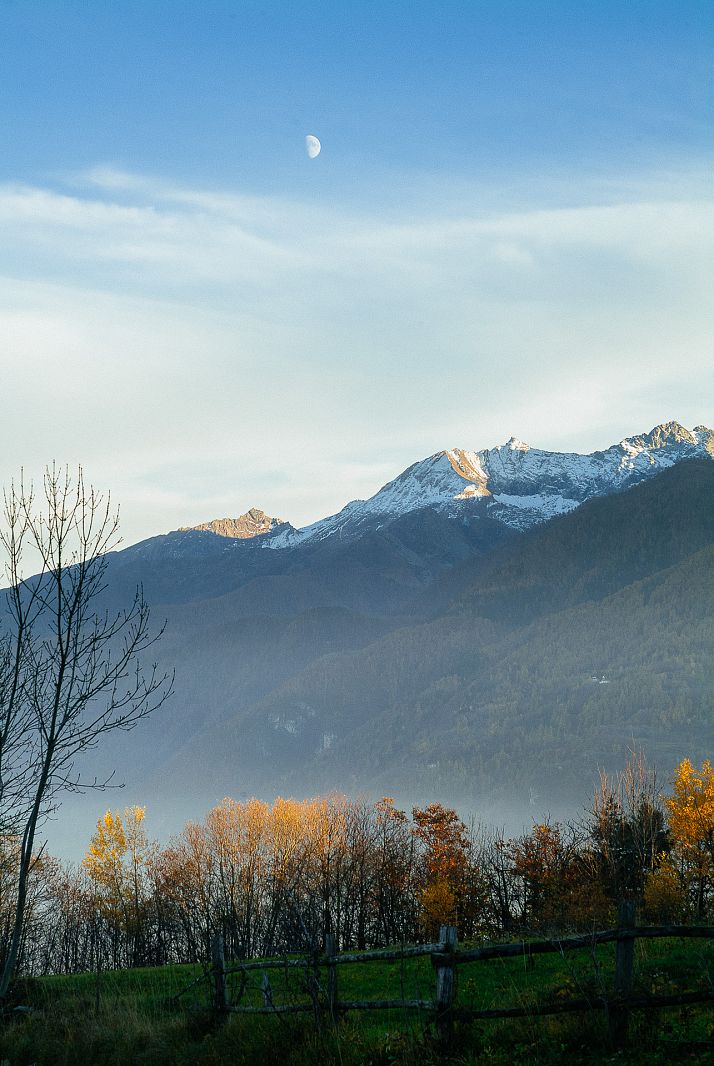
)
(627, 825)
(70, 670)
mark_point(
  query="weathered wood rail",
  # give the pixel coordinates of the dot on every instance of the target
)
(446, 958)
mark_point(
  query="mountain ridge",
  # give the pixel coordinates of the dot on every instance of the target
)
(516, 484)
(254, 523)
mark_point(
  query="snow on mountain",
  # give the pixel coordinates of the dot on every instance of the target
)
(512, 483)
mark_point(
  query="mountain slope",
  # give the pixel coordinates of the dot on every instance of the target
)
(378, 554)
(489, 690)
(437, 650)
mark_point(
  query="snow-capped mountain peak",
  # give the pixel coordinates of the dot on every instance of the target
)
(512, 483)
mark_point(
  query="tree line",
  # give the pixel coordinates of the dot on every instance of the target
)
(278, 878)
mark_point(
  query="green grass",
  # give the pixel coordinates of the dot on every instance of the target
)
(129, 1016)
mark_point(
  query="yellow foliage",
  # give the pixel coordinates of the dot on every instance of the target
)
(691, 823)
(117, 861)
(691, 807)
(664, 895)
(438, 905)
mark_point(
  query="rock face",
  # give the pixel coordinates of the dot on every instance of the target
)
(254, 523)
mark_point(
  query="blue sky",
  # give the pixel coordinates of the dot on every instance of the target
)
(509, 230)
(221, 92)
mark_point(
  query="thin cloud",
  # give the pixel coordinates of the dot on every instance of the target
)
(196, 348)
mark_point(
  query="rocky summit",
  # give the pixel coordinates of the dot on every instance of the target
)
(254, 523)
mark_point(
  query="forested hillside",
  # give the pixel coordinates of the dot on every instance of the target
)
(431, 658)
(497, 689)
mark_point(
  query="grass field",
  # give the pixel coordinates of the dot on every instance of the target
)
(131, 1016)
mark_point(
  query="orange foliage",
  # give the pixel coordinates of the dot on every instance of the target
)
(445, 864)
(446, 842)
(559, 889)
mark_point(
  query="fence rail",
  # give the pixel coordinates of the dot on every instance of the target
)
(446, 957)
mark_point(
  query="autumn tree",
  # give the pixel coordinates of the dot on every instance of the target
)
(34, 916)
(77, 941)
(664, 896)
(502, 900)
(558, 890)
(117, 862)
(445, 862)
(393, 873)
(185, 877)
(361, 834)
(691, 823)
(237, 834)
(322, 895)
(70, 671)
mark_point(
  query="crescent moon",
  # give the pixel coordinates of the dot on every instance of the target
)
(312, 146)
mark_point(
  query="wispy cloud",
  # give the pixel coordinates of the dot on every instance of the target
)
(202, 350)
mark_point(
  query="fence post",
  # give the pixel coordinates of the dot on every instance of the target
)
(218, 969)
(330, 952)
(624, 960)
(445, 984)
(312, 984)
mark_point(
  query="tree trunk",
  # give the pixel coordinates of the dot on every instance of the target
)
(28, 843)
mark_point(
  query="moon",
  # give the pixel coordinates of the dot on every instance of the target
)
(312, 146)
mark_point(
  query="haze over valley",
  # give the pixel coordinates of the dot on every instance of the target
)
(489, 629)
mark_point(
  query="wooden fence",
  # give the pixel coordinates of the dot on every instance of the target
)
(324, 1001)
